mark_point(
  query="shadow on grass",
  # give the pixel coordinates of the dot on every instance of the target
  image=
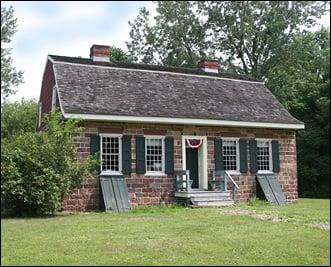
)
(47, 216)
(145, 209)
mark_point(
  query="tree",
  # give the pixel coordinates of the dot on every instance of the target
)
(301, 81)
(253, 31)
(18, 117)
(244, 34)
(118, 54)
(10, 77)
(176, 39)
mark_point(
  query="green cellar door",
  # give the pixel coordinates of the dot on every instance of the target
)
(192, 164)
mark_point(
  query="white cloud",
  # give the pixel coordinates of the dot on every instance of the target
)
(33, 62)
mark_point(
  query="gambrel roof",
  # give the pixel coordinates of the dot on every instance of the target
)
(101, 89)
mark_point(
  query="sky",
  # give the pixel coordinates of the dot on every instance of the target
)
(69, 29)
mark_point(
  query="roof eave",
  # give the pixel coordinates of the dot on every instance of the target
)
(186, 121)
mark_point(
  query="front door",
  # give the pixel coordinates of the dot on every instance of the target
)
(192, 164)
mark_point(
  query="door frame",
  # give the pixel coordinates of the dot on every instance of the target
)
(202, 159)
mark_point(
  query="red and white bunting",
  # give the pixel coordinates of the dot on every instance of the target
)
(194, 143)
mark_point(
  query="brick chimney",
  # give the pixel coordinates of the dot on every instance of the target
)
(100, 53)
(208, 65)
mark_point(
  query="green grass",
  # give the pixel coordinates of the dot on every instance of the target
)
(172, 235)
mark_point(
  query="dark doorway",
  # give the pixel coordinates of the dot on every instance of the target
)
(192, 164)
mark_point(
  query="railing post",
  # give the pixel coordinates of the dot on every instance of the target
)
(225, 182)
(234, 193)
(188, 181)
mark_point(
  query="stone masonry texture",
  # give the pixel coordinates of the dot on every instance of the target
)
(149, 190)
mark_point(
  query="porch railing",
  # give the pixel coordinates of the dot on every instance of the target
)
(234, 187)
(223, 183)
(183, 181)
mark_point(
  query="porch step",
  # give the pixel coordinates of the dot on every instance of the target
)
(205, 198)
(209, 199)
(202, 194)
(203, 204)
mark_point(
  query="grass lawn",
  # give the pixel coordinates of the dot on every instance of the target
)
(241, 235)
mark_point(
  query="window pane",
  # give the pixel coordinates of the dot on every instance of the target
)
(154, 154)
(263, 156)
(110, 153)
(230, 155)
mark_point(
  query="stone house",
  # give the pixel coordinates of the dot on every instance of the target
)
(147, 122)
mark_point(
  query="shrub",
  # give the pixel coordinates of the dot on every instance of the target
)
(18, 117)
(39, 169)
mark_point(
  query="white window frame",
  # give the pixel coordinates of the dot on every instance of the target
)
(236, 139)
(270, 156)
(155, 173)
(39, 113)
(109, 172)
(53, 98)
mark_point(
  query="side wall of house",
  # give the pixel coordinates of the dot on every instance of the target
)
(153, 190)
(47, 90)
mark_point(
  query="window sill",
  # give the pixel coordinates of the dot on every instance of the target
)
(265, 172)
(111, 173)
(155, 174)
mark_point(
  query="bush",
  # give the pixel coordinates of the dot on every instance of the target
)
(39, 169)
(18, 117)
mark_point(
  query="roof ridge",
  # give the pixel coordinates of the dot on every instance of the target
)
(141, 66)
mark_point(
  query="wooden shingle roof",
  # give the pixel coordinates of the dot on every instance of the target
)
(87, 87)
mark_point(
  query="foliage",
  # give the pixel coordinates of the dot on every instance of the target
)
(120, 55)
(39, 169)
(253, 31)
(301, 81)
(176, 39)
(248, 31)
(18, 117)
(188, 237)
(10, 77)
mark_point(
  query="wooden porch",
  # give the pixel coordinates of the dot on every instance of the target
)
(217, 194)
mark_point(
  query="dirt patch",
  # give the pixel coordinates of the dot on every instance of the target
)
(271, 217)
(254, 214)
(323, 226)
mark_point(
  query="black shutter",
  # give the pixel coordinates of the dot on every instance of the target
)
(253, 155)
(94, 144)
(169, 155)
(94, 149)
(275, 156)
(140, 155)
(243, 155)
(218, 155)
(126, 154)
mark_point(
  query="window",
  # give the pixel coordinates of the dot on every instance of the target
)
(155, 154)
(53, 99)
(111, 154)
(230, 154)
(264, 161)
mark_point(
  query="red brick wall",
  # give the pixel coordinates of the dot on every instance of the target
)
(153, 190)
(47, 88)
(46, 92)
